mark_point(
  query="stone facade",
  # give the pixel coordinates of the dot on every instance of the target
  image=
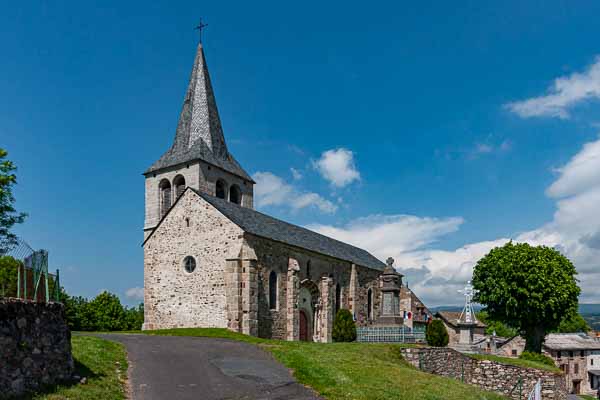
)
(198, 175)
(35, 346)
(487, 375)
(175, 298)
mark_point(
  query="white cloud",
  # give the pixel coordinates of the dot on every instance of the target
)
(565, 92)
(436, 275)
(296, 174)
(271, 190)
(135, 293)
(338, 167)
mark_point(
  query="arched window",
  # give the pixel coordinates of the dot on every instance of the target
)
(189, 263)
(370, 304)
(165, 196)
(338, 297)
(273, 290)
(179, 184)
(221, 189)
(235, 194)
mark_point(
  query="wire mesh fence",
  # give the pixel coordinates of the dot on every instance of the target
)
(25, 275)
(390, 334)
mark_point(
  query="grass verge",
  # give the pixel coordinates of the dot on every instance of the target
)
(102, 363)
(357, 371)
(516, 361)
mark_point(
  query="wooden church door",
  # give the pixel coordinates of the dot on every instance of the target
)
(303, 326)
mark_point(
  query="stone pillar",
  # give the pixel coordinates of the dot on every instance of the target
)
(466, 333)
(292, 292)
(233, 290)
(353, 292)
(326, 316)
(249, 298)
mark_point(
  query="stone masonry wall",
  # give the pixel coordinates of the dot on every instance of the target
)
(488, 375)
(35, 346)
(275, 256)
(174, 298)
(198, 175)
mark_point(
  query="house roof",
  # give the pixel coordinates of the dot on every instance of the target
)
(262, 225)
(452, 318)
(571, 341)
(199, 134)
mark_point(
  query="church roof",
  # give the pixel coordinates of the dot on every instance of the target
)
(199, 134)
(262, 225)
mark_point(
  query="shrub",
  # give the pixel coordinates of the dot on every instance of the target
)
(436, 334)
(344, 329)
(528, 355)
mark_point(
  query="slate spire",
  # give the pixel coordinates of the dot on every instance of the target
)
(199, 118)
(199, 134)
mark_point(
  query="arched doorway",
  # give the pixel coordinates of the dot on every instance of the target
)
(304, 336)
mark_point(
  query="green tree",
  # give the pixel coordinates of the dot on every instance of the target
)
(572, 324)
(344, 328)
(104, 313)
(436, 334)
(8, 276)
(8, 215)
(134, 317)
(529, 288)
(499, 327)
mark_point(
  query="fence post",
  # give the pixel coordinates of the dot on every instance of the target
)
(420, 361)
(19, 281)
(462, 370)
(57, 286)
(24, 283)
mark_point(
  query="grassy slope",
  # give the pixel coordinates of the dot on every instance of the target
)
(352, 370)
(95, 359)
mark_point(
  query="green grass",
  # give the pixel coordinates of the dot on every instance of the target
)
(96, 360)
(356, 371)
(586, 397)
(516, 361)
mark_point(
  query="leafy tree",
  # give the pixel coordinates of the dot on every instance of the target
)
(572, 324)
(344, 329)
(134, 317)
(499, 327)
(530, 288)
(436, 334)
(8, 215)
(105, 313)
(537, 357)
(8, 276)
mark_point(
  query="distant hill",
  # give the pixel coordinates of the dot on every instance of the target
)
(589, 309)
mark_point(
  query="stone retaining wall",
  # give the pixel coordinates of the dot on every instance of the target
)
(35, 346)
(488, 375)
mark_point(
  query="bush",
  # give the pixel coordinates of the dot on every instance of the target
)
(527, 355)
(344, 329)
(436, 334)
(8, 276)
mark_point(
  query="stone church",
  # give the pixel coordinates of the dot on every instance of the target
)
(211, 260)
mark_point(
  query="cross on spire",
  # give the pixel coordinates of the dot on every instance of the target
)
(199, 28)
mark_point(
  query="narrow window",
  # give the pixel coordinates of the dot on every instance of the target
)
(179, 184)
(338, 298)
(575, 369)
(187, 222)
(273, 290)
(220, 190)
(165, 196)
(189, 263)
(308, 269)
(370, 304)
(235, 194)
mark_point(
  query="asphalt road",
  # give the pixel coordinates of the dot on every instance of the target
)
(182, 368)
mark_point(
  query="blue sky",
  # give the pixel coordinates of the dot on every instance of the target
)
(429, 133)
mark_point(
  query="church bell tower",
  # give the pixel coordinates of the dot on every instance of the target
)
(199, 157)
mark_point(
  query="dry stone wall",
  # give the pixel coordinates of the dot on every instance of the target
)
(35, 346)
(488, 375)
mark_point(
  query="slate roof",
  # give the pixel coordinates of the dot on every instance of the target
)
(452, 318)
(262, 225)
(199, 134)
(571, 341)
